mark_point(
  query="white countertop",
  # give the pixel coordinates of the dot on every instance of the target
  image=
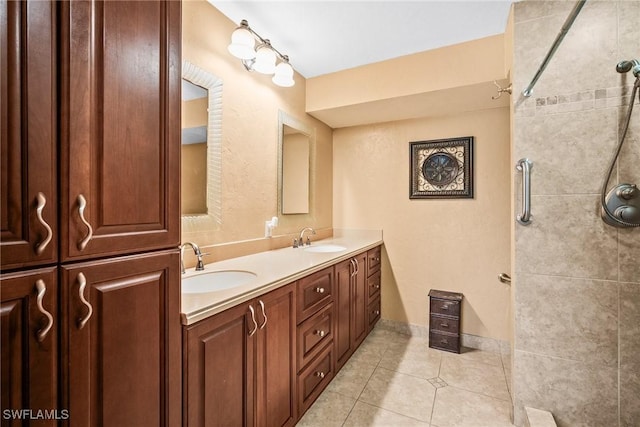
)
(273, 269)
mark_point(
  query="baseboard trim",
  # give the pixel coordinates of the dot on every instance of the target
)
(468, 340)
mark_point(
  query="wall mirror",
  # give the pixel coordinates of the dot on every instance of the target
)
(201, 180)
(296, 156)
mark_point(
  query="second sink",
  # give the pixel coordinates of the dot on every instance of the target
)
(216, 281)
(325, 248)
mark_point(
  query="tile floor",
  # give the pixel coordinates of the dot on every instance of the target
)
(396, 380)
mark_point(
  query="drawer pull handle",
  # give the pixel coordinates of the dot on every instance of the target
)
(42, 201)
(42, 289)
(444, 341)
(82, 204)
(376, 312)
(320, 374)
(253, 319)
(444, 325)
(445, 306)
(83, 284)
(263, 314)
(320, 333)
(320, 290)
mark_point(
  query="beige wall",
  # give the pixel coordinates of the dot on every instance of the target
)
(577, 280)
(250, 138)
(456, 244)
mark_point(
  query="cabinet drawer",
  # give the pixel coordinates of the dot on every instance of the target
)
(373, 286)
(444, 324)
(314, 292)
(374, 313)
(373, 261)
(448, 308)
(313, 334)
(313, 379)
(444, 341)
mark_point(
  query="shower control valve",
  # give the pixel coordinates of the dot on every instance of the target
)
(628, 192)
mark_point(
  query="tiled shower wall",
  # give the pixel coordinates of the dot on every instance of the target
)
(577, 280)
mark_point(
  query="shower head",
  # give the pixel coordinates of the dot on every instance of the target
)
(626, 66)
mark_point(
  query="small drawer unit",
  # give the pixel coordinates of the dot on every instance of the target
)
(444, 320)
(314, 292)
(314, 334)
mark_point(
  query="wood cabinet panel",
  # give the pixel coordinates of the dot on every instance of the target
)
(343, 313)
(28, 134)
(314, 292)
(120, 127)
(276, 358)
(218, 370)
(313, 334)
(360, 300)
(314, 378)
(29, 349)
(122, 345)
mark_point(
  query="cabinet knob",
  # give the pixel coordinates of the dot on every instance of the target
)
(377, 312)
(320, 290)
(320, 374)
(320, 333)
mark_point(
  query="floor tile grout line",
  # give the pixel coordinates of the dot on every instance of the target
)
(395, 412)
(508, 400)
(365, 386)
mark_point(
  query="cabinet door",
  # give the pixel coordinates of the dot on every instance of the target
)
(29, 336)
(120, 127)
(121, 341)
(218, 370)
(360, 300)
(28, 177)
(343, 307)
(276, 358)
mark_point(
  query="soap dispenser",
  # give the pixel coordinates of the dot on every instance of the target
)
(269, 226)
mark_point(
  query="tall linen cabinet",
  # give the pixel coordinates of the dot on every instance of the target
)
(90, 211)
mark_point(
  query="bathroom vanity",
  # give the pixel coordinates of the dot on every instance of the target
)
(262, 352)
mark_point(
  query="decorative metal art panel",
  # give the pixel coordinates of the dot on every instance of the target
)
(442, 168)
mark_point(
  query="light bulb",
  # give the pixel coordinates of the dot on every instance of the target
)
(283, 75)
(242, 43)
(265, 60)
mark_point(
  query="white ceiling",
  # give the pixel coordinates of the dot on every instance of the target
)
(322, 37)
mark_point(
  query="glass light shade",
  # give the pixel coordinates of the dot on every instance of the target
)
(242, 43)
(265, 60)
(283, 75)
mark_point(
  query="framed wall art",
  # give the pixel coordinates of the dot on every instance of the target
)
(441, 169)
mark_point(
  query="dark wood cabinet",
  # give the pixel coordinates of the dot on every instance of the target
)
(28, 126)
(239, 365)
(352, 298)
(119, 127)
(29, 334)
(121, 341)
(90, 155)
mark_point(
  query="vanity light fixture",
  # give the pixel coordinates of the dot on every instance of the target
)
(262, 58)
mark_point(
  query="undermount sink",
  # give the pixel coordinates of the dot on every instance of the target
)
(213, 281)
(325, 248)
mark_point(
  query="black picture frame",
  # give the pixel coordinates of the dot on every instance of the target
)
(441, 168)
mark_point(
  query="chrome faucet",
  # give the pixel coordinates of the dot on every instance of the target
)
(301, 241)
(196, 250)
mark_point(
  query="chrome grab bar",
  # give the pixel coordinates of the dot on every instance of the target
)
(524, 166)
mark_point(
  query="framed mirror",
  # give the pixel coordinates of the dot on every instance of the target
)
(201, 180)
(296, 154)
